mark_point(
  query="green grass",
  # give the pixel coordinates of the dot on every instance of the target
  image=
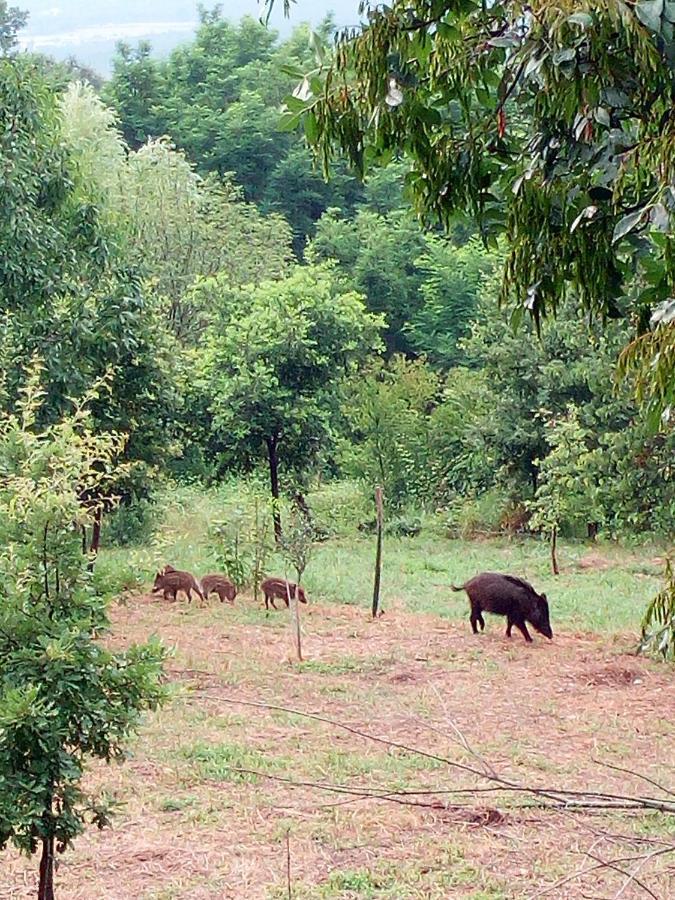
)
(222, 762)
(389, 881)
(417, 571)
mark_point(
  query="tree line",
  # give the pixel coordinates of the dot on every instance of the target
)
(241, 324)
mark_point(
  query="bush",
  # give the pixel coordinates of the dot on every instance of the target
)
(340, 508)
(130, 524)
(484, 515)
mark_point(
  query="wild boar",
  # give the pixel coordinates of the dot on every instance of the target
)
(172, 580)
(507, 595)
(276, 587)
(218, 584)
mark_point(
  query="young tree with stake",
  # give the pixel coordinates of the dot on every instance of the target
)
(296, 545)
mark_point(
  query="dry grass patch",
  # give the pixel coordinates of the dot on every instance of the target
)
(195, 825)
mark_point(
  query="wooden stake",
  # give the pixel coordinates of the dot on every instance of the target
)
(295, 613)
(289, 884)
(378, 553)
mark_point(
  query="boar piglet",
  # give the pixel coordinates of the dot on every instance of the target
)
(276, 587)
(171, 581)
(506, 595)
(219, 584)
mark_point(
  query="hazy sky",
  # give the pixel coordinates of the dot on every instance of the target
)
(90, 31)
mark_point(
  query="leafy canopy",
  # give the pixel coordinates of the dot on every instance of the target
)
(550, 122)
(275, 359)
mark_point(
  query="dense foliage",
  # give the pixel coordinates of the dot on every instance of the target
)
(178, 268)
(273, 363)
(550, 123)
(218, 99)
(64, 697)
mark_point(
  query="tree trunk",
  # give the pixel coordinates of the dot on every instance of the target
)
(274, 485)
(554, 558)
(95, 537)
(378, 554)
(46, 888)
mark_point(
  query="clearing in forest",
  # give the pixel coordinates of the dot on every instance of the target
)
(209, 810)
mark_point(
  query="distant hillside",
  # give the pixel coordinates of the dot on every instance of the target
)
(64, 28)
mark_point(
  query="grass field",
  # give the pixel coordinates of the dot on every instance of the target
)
(219, 796)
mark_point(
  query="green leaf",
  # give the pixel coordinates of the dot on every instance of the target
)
(588, 213)
(627, 224)
(311, 127)
(649, 12)
(566, 55)
(505, 40)
(581, 18)
(602, 116)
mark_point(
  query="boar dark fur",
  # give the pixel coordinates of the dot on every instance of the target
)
(171, 581)
(507, 595)
(276, 587)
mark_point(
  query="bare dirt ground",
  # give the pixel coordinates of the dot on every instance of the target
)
(196, 824)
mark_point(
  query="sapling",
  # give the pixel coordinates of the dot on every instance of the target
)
(64, 697)
(296, 546)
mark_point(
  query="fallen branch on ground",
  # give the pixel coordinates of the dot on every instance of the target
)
(547, 798)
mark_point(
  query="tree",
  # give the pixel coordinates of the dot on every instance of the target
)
(216, 98)
(297, 190)
(658, 624)
(12, 20)
(273, 364)
(297, 544)
(133, 89)
(68, 293)
(452, 279)
(175, 226)
(386, 409)
(531, 379)
(377, 257)
(551, 125)
(64, 697)
(567, 489)
(50, 238)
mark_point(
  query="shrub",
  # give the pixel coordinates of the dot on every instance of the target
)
(130, 524)
(474, 516)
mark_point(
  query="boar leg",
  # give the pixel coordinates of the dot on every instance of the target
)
(521, 626)
(476, 618)
(509, 626)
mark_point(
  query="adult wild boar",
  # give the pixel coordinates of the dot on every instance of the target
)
(507, 595)
(276, 587)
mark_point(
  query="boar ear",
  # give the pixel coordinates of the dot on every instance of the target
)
(543, 597)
